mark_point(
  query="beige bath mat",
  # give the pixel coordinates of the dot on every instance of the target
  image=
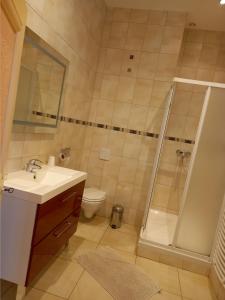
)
(121, 279)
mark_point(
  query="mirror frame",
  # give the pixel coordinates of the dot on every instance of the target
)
(43, 46)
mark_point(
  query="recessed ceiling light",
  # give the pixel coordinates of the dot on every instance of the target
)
(222, 2)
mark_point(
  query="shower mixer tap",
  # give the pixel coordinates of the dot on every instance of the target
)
(183, 154)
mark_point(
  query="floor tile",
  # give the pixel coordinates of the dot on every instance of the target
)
(165, 276)
(92, 230)
(89, 289)
(5, 286)
(130, 229)
(10, 294)
(60, 278)
(166, 296)
(195, 286)
(128, 257)
(34, 294)
(76, 247)
(119, 240)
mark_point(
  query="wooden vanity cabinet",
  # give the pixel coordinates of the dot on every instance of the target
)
(56, 221)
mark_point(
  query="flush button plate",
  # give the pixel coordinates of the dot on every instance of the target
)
(105, 154)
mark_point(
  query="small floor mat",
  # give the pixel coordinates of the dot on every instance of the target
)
(121, 279)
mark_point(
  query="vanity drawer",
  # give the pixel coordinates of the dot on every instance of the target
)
(43, 252)
(54, 211)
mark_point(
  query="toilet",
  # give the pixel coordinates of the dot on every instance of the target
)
(92, 201)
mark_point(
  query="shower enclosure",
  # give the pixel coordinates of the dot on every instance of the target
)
(188, 178)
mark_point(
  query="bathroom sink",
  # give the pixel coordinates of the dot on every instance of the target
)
(43, 184)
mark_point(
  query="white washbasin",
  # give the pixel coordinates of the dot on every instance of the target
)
(44, 184)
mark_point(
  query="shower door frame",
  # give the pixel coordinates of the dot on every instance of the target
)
(166, 115)
(173, 247)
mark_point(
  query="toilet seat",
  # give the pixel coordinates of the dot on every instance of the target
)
(93, 195)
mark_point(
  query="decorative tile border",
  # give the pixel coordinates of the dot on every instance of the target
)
(115, 128)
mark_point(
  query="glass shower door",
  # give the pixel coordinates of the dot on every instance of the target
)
(204, 190)
(171, 163)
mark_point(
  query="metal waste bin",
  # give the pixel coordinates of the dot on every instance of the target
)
(116, 216)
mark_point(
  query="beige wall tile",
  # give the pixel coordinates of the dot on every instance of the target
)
(16, 145)
(154, 119)
(159, 91)
(113, 61)
(14, 164)
(148, 148)
(213, 37)
(176, 125)
(132, 146)
(153, 38)
(138, 199)
(148, 65)
(167, 174)
(128, 170)
(219, 76)
(157, 17)
(166, 69)
(112, 167)
(191, 126)
(172, 38)
(193, 35)
(104, 112)
(169, 152)
(196, 104)
(138, 116)
(97, 86)
(191, 54)
(135, 36)
(109, 184)
(125, 89)
(176, 18)
(143, 175)
(161, 196)
(95, 165)
(130, 63)
(139, 16)
(142, 91)
(121, 114)
(109, 87)
(181, 102)
(123, 194)
(209, 55)
(99, 139)
(220, 64)
(121, 14)
(116, 142)
(118, 33)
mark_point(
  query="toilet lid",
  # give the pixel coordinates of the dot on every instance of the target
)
(93, 194)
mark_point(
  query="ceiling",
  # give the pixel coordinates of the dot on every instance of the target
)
(207, 14)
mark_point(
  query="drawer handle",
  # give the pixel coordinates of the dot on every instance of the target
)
(71, 196)
(67, 226)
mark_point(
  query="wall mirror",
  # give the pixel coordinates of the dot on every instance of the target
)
(41, 81)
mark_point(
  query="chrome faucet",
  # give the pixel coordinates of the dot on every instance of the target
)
(32, 165)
